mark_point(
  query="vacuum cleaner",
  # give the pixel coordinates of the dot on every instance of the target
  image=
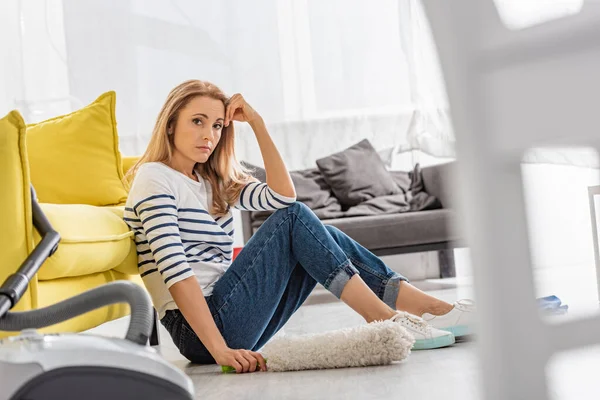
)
(37, 366)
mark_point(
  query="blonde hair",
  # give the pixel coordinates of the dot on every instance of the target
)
(222, 169)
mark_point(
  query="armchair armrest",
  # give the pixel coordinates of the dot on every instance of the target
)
(438, 181)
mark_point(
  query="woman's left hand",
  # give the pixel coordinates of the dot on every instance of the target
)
(239, 110)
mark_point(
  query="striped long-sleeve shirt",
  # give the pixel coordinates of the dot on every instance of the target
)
(176, 236)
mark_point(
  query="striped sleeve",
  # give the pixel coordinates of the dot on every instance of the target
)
(257, 196)
(154, 206)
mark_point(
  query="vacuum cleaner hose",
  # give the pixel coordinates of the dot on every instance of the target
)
(140, 324)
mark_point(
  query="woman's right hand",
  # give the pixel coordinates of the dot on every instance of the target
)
(241, 360)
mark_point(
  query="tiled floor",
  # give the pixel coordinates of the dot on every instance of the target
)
(449, 373)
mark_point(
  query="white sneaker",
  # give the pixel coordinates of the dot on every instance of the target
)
(459, 320)
(426, 337)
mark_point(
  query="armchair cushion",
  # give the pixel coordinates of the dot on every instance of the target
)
(93, 239)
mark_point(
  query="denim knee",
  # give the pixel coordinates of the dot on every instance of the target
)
(297, 207)
(333, 231)
(294, 208)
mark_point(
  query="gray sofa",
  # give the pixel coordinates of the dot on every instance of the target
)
(408, 232)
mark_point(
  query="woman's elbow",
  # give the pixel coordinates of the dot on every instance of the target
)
(291, 195)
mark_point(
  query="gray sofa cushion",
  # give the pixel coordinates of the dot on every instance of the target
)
(357, 174)
(393, 230)
(313, 190)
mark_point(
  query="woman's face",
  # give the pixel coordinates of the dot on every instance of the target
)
(198, 128)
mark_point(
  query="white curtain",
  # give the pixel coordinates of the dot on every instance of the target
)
(430, 130)
(324, 74)
(33, 64)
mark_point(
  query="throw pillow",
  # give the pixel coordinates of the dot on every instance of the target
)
(75, 158)
(357, 174)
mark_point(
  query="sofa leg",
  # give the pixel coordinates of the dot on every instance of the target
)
(154, 338)
(446, 262)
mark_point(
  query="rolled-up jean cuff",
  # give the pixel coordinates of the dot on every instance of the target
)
(391, 290)
(339, 277)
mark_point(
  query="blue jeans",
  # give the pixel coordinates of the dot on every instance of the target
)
(274, 274)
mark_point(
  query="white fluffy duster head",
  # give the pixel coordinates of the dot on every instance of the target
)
(377, 343)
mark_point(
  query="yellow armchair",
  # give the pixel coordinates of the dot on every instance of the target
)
(96, 245)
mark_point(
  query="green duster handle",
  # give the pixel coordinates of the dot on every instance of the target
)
(227, 369)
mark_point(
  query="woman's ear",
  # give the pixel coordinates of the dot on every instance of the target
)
(171, 127)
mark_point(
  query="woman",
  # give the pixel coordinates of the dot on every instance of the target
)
(221, 311)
